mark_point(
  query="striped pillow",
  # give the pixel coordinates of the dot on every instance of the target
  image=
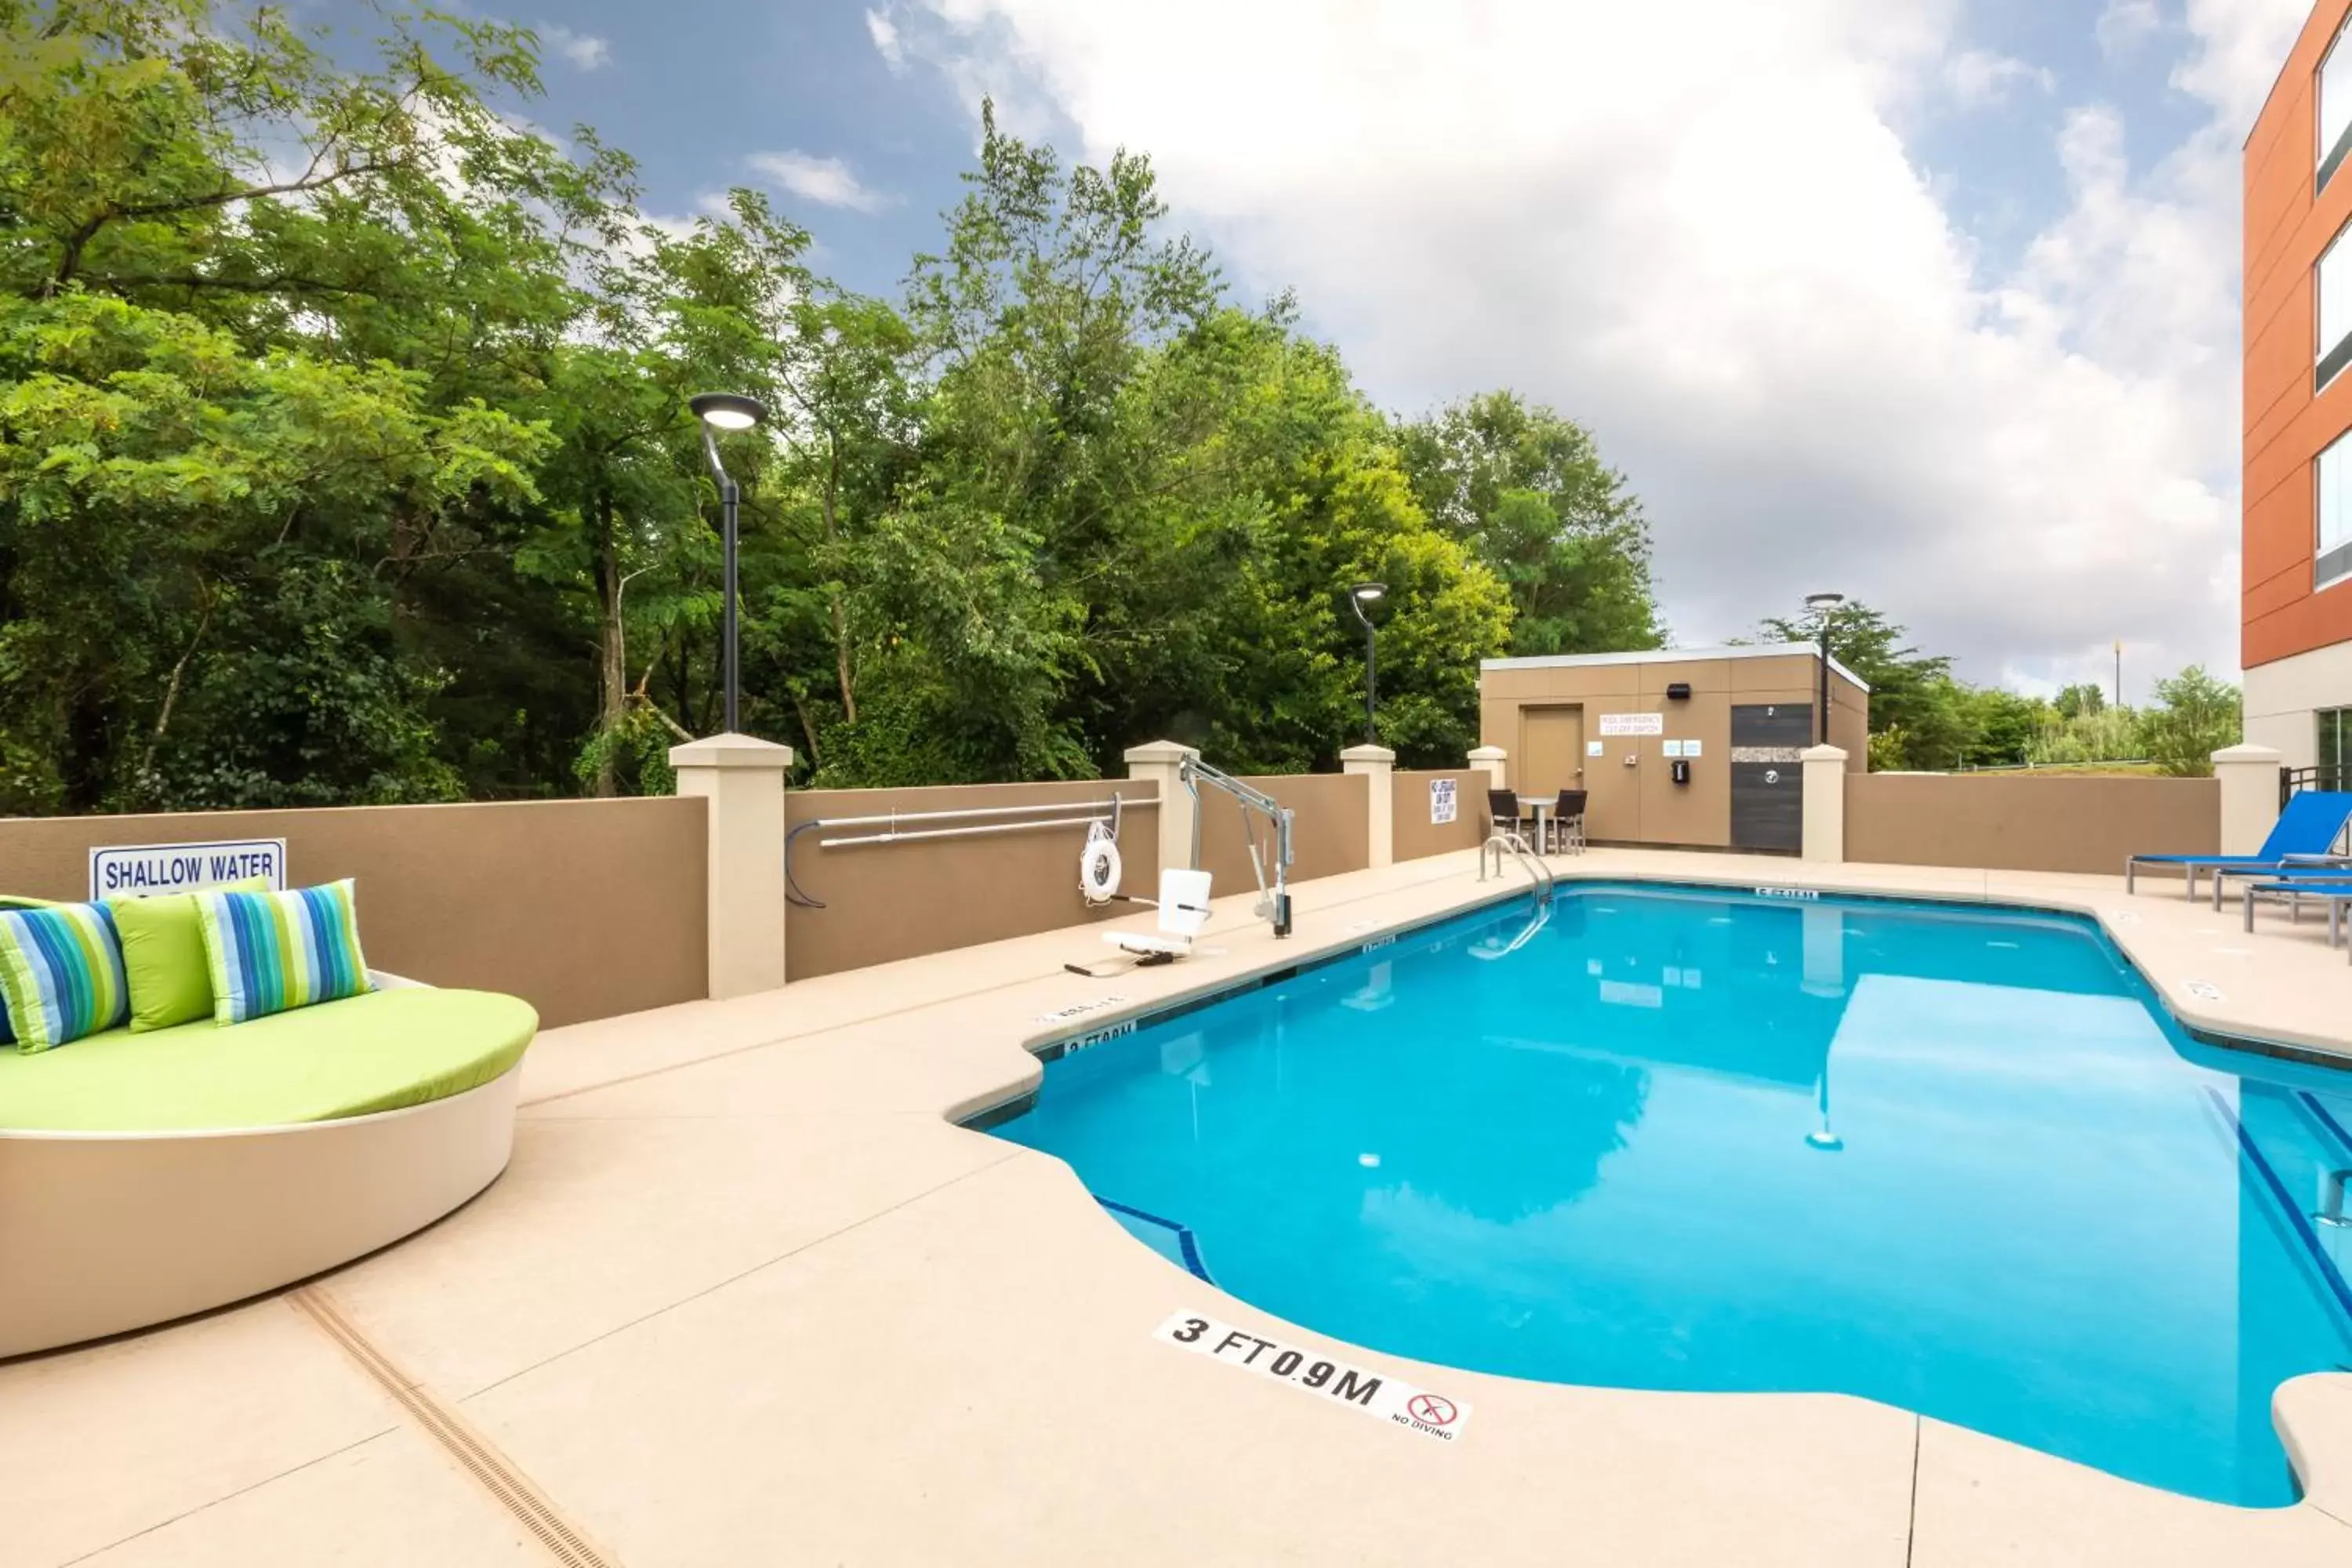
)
(271, 953)
(62, 973)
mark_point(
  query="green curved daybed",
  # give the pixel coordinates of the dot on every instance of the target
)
(147, 1176)
(382, 1051)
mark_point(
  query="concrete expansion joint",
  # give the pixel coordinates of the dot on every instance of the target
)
(439, 1421)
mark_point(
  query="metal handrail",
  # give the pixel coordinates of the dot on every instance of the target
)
(892, 819)
(1541, 918)
(1529, 862)
(890, 822)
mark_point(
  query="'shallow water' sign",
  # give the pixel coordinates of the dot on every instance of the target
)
(136, 870)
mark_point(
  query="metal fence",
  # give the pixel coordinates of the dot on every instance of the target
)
(2293, 781)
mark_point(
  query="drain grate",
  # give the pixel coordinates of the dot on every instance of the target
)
(514, 1491)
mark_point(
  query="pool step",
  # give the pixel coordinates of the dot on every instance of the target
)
(2298, 1147)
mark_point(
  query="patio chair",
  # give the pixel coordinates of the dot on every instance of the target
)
(2294, 890)
(1568, 821)
(1503, 813)
(2304, 833)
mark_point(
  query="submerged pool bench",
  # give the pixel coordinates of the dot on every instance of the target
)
(146, 1176)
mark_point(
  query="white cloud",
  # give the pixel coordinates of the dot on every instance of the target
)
(584, 50)
(2126, 24)
(884, 33)
(1698, 230)
(825, 181)
(2240, 47)
(1979, 77)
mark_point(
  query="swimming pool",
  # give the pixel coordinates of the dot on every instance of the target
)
(1953, 1159)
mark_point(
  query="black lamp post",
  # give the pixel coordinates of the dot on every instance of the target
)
(727, 410)
(1360, 595)
(1824, 606)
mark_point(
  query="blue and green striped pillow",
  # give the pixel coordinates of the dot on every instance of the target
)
(62, 973)
(271, 953)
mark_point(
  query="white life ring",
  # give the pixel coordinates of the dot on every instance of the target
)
(1098, 870)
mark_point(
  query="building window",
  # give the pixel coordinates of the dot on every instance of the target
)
(2335, 108)
(2335, 290)
(2335, 745)
(2331, 551)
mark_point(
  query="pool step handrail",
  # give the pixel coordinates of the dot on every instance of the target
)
(1487, 952)
(1504, 839)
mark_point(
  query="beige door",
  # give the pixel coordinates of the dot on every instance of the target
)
(1552, 749)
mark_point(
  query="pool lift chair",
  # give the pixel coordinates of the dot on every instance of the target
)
(1272, 902)
(1183, 905)
(1183, 901)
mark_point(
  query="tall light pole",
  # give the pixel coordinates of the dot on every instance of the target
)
(1824, 606)
(1360, 595)
(727, 410)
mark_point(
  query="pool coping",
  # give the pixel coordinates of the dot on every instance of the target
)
(2293, 1414)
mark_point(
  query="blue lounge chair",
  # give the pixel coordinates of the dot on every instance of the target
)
(2294, 889)
(2330, 867)
(2305, 832)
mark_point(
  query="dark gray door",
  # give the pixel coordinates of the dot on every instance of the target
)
(1767, 775)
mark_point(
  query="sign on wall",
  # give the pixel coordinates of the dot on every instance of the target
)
(1443, 801)
(1633, 723)
(138, 870)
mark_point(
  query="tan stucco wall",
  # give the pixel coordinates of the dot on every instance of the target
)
(1637, 801)
(1415, 836)
(2013, 822)
(584, 908)
(886, 901)
(1331, 835)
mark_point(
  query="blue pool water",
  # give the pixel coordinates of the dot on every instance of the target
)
(1960, 1161)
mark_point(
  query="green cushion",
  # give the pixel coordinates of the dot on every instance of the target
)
(364, 1054)
(164, 953)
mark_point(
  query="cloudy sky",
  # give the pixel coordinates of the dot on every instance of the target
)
(1930, 301)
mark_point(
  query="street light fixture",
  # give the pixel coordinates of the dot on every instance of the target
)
(727, 410)
(1360, 595)
(1824, 606)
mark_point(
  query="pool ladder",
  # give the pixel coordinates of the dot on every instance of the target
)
(1503, 841)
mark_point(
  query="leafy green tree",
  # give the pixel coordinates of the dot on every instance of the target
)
(2195, 716)
(344, 456)
(1525, 488)
(2086, 697)
(2001, 726)
(260, 314)
(1909, 691)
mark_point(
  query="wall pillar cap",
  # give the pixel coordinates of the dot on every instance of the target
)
(730, 751)
(1368, 753)
(2247, 752)
(1490, 754)
(1161, 751)
(1822, 755)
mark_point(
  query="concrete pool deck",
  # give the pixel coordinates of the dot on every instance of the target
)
(746, 1296)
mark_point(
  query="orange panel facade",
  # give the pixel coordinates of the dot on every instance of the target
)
(2289, 223)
